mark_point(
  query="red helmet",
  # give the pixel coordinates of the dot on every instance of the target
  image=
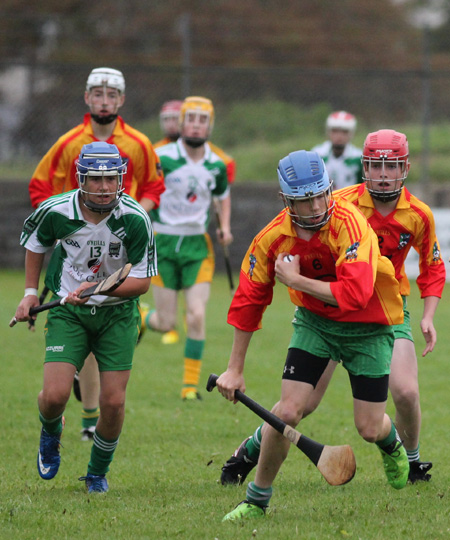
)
(380, 148)
(171, 108)
(169, 116)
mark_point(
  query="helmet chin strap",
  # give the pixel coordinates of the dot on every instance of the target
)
(194, 142)
(384, 197)
(104, 120)
(100, 208)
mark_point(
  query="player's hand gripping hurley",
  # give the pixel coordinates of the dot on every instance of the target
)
(337, 464)
(226, 253)
(105, 286)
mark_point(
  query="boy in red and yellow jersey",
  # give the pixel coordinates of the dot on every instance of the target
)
(347, 300)
(400, 221)
(104, 95)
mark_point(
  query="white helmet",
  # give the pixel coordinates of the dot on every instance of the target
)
(111, 78)
(341, 120)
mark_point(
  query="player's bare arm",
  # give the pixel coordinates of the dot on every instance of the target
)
(233, 377)
(147, 204)
(33, 266)
(129, 288)
(224, 235)
(426, 324)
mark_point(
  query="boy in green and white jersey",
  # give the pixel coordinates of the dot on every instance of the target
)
(341, 157)
(193, 175)
(97, 230)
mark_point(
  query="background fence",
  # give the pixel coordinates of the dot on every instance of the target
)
(39, 102)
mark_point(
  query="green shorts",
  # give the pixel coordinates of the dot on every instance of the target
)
(183, 261)
(404, 331)
(363, 349)
(110, 332)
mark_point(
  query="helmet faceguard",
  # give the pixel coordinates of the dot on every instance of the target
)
(385, 164)
(303, 177)
(103, 160)
(199, 105)
(106, 78)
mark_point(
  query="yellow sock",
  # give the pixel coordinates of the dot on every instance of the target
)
(191, 376)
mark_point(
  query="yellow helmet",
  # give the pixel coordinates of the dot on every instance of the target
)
(199, 104)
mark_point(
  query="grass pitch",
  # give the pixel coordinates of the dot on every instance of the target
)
(164, 478)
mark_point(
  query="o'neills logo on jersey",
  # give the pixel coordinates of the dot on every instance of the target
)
(94, 265)
(96, 243)
(55, 348)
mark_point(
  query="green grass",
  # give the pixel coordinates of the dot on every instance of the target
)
(164, 478)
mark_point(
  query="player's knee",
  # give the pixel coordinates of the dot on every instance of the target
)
(406, 397)
(112, 404)
(162, 323)
(195, 318)
(369, 432)
(53, 400)
(289, 413)
(166, 325)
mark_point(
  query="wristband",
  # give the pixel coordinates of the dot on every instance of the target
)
(30, 291)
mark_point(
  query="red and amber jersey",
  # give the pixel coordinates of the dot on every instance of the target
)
(227, 159)
(162, 142)
(56, 172)
(344, 252)
(411, 224)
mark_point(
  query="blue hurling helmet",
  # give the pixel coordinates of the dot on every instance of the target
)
(303, 177)
(100, 159)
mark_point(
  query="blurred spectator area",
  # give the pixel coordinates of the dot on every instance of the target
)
(39, 102)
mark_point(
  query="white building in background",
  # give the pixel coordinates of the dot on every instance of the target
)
(442, 219)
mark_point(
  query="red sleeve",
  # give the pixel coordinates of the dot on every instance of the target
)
(354, 287)
(231, 171)
(153, 190)
(249, 303)
(39, 191)
(356, 265)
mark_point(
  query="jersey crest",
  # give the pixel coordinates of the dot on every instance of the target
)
(252, 265)
(404, 240)
(352, 252)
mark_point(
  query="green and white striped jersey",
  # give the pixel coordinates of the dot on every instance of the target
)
(345, 170)
(88, 252)
(185, 204)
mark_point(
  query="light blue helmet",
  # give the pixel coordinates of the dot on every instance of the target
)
(100, 159)
(303, 177)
